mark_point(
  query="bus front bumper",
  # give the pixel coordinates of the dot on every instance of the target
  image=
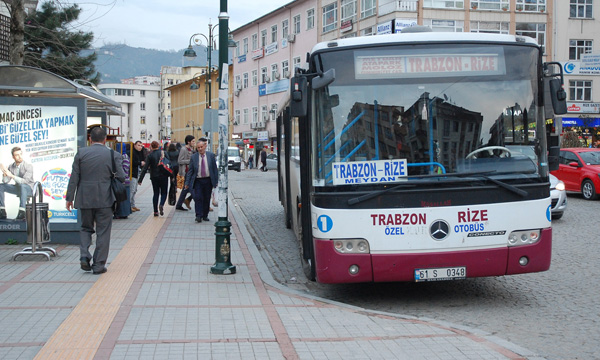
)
(334, 267)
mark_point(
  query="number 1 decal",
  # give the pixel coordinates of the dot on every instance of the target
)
(324, 223)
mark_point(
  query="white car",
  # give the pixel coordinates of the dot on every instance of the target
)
(559, 197)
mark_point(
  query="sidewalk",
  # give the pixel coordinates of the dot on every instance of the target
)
(158, 300)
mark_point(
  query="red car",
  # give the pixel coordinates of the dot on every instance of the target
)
(579, 169)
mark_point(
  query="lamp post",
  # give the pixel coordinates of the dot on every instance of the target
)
(222, 265)
(223, 226)
(190, 53)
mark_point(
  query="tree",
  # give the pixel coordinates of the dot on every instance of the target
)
(43, 39)
(50, 45)
(16, 9)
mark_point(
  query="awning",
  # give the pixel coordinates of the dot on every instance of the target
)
(27, 81)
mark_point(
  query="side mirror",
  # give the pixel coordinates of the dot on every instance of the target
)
(574, 164)
(299, 96)
(553, 157)
(558, 96)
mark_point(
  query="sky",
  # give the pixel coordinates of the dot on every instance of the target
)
(159, 24)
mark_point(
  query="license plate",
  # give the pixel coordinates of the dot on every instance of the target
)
(440, 274)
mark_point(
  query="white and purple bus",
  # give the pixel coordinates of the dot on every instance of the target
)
(395, 162)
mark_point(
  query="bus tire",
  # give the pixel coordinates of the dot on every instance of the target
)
(309, 269)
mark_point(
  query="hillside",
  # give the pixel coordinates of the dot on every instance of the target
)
(116, 62)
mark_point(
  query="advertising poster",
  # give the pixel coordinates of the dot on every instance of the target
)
(47, 138)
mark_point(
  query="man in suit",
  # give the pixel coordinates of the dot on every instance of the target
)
(90, 186)
(201, 178)
(21, 173)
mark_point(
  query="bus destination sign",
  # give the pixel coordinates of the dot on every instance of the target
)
(368, 172)
(397, 66)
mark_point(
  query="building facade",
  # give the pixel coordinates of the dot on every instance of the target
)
(189, 105)
(268, 49)
(169, 76)
(578, 50)
(140, 104)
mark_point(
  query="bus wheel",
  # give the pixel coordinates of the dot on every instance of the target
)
(287, 215)
(308, 266)
(588, 190)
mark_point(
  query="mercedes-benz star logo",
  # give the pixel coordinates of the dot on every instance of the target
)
(439, 230)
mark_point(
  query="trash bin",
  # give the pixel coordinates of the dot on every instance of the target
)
(38, 231)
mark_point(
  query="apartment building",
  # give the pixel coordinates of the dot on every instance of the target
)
(578, 50)
(268, 49)
(140, 104)
(169, 76)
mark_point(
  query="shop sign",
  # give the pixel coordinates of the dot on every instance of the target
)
(249, 134)
(273, 87)
(271, 48)
(583, 108)
(346, 26)
(401, 24)
(242, 58)
(258, 53)
(576, 67)
(585, 122)
(385, 28)
(263, 136)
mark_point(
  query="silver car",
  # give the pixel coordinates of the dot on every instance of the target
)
(272, 162)
(559, 197)
(558, 193)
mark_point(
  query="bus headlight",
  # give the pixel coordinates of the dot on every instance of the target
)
(523, 237)
(351, 246)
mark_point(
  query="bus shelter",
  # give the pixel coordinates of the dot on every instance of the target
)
(46, 117)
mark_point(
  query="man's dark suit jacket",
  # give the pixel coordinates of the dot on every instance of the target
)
(90, 177)
(194, 167)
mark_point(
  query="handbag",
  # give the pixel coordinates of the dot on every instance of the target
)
(164, 165)
(180, 181)
(118, 188)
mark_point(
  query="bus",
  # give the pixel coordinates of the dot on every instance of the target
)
(395, 162)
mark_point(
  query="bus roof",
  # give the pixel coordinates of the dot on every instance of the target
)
(423, 37)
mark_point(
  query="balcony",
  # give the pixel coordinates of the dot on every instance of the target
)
(386, 6)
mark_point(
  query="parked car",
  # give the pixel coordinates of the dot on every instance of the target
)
(272, 162)
(579, 169)
(234, 158)
(558, 194)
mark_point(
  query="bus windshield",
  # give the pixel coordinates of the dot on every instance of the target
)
(398, 112)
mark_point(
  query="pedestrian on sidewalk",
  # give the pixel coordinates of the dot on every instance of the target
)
(251, 162)
(123, 209)
(138, 160)
(90, 186)
(202, 177)
(185, 154)
(263, 160)
(160, 182)
(173, 155)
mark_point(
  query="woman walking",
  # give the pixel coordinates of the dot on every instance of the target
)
(160, 182)
(173, 154)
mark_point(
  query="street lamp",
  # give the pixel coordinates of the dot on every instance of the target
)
(190, 53)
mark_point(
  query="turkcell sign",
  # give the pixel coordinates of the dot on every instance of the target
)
(369, 172)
